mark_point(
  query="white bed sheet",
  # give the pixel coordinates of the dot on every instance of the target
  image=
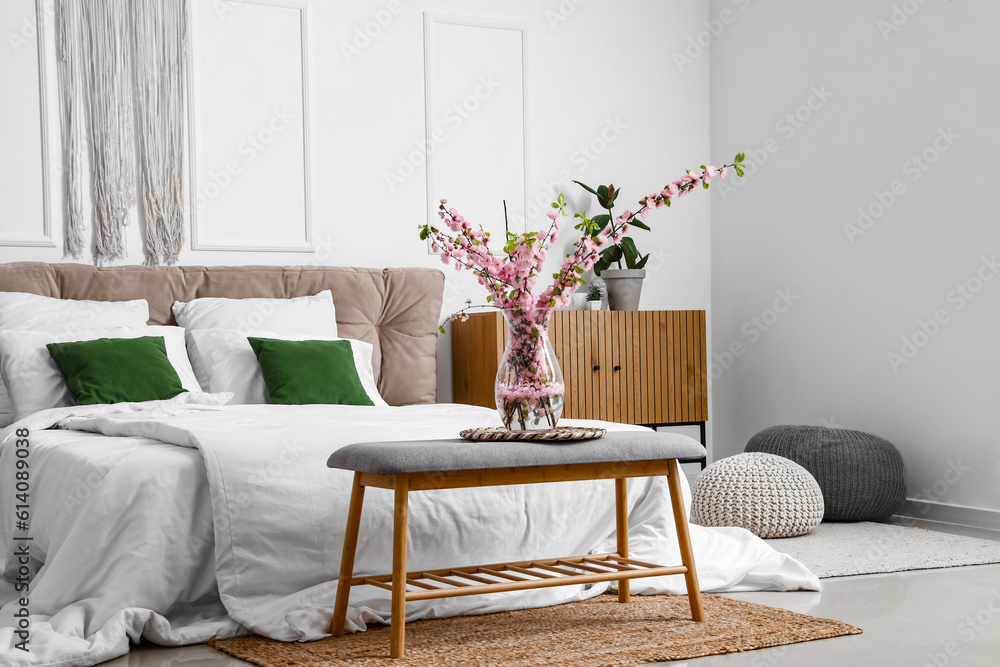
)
(111, 575)
(135, 555)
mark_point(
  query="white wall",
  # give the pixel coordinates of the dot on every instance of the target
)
(895, 86)
(594, 67)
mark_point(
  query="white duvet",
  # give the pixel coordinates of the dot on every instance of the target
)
(196, 521)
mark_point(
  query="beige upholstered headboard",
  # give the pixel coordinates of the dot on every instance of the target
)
(396, 310)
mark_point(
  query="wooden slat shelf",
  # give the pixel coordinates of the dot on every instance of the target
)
(554, 572)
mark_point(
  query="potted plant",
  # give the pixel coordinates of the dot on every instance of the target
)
(624, 283)
(595, 296)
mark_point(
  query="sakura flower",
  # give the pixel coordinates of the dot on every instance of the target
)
(511, 277)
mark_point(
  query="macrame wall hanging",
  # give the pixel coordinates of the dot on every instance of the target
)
(116, 58)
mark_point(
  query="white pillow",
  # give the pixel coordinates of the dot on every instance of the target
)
(33, 378)
(224, 361)
(29, 312)
(20, 311)
(301, 315)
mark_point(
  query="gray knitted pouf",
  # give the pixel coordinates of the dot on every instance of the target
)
(768, 495)
(862, 475)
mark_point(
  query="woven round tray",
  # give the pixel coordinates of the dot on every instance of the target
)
(558, 434)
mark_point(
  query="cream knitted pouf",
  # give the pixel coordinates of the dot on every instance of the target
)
(768, 495)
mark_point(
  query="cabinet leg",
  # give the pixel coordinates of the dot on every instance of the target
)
(701, 430)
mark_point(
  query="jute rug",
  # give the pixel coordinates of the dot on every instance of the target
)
(598, 632)
(843, 549)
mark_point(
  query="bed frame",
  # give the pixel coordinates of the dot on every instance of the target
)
(396, 310)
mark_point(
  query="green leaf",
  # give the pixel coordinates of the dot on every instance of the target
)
(739, 171)
(642, 262)
(601, 221)
(636, 222)
(630, 251)
(602, 196)
(704, 184)
(739, 157)
(441, 328)
(586, 187)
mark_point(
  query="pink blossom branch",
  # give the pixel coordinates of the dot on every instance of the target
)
(512, 279)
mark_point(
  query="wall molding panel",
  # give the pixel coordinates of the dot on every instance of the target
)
(38, 233)
(248, 127)
(475, 134)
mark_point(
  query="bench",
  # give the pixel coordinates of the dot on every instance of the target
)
(450, 464)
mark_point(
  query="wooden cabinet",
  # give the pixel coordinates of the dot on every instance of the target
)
(637, 367)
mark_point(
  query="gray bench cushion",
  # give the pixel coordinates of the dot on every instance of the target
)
(390, 458)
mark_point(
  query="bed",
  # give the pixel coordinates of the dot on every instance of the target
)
(177, 520)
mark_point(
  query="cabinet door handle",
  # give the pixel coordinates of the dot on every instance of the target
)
(618, 368)
(597, 368)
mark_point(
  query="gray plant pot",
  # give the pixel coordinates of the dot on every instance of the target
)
(624, 287)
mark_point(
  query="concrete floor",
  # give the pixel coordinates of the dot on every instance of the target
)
(938, 618)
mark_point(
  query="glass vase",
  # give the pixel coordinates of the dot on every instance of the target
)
(529, 386)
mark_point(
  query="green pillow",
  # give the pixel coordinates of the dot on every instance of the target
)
(309, 371)
(116, 370)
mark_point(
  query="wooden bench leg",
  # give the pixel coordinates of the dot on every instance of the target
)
(399, 528)
(621, 529)
(347, 559)
(684, 540)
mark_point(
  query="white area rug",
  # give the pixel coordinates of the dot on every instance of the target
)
(843, 549)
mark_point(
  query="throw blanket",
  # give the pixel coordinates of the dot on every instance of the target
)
(278, 516)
